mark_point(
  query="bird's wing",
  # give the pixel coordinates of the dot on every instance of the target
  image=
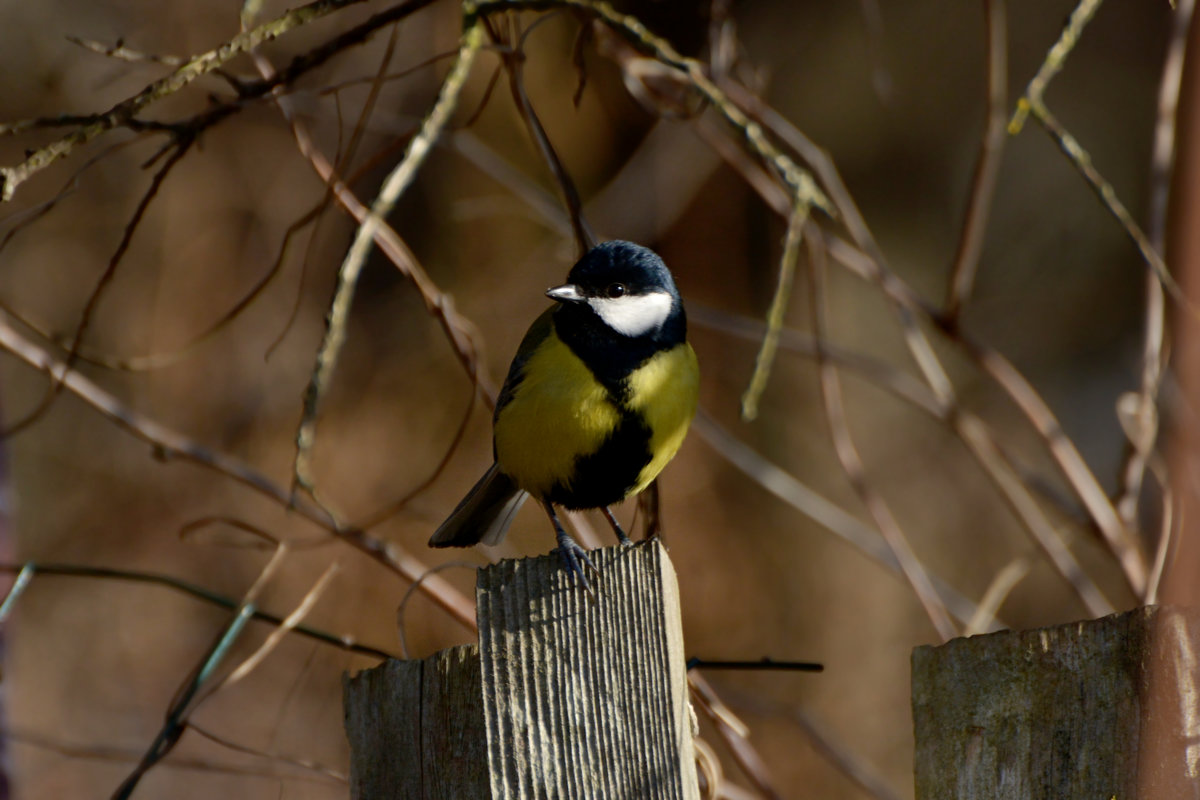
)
(537, 333)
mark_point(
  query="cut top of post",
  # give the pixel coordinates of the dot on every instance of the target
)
(583, 697)
(1099, 709)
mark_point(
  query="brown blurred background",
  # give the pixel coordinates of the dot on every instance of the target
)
(893, 91)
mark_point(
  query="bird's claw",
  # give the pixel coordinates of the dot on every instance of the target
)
(574, 559)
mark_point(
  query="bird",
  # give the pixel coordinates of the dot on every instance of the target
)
(598, 399)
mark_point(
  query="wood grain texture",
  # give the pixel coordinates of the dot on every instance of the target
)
(1108, 708)
(416, 729)
(586, 699)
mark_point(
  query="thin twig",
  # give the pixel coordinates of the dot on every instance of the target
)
(823, 740)
(852, 465)
(779, 302)
(23, 580)
(181, 148)
(971, 430)
(394, 507)
(1119, 539)
(393, 186)
(153, 361)
(514, 62)
(184, 133)
(983, 446)
(401, 626)
(798, 180)
(826, 171)
(168, 443)
(368, 107)
(1107, 195)
(183, 704)
(1167, 539)
(735, 733)
(987, 165)
(299, 763)
(998, 590)
(1082, 480)
(277, 635)
(816, 507)
(52, 391)
(1053, 63)
(120, 52)
(35, 568)
(378, 79)
(876, 371)
(708, 765)
(260, 538)
(1145, 417)
(974, 433)
(20, 220)
(108, 752)
(125, 111)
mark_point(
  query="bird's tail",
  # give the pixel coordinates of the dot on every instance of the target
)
(483, 515)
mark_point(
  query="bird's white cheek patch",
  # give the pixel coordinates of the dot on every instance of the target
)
(633, 314)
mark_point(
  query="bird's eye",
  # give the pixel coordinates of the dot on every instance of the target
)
(616, 290)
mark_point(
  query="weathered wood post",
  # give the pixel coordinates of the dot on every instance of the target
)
(1108, 708)
(563, 698)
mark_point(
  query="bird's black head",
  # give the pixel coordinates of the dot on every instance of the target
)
(616, 269)
(625, 287)
(618, 308)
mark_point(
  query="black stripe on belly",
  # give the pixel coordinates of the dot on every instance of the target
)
(607, 476)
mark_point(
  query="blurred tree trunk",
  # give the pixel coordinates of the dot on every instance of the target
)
(7, 582)
(1180, 575)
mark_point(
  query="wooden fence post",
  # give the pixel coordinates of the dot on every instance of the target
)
(563, 698)
(1108, 708)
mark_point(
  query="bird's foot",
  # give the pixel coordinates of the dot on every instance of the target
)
(574, 559)
(622, 537)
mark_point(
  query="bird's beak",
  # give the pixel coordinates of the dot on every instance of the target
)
(567, 293)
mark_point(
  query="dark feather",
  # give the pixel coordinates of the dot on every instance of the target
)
(484, 514)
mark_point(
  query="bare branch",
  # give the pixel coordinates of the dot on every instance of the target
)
(1031, 404)
(85, 318)
(32, 569)
(168, 443)
(124, 112)
(1053, 63)
(998, 590)
(301, 763)
(120, 52)
(847, 211)
(1108, 197)
(109, 752)
(987, 165)
(288, 624)
(175, 724)
(971, 430)
(514, 62)
(735, 733)
(1144, 433)
(852, 465)
(393, 186)
(779, 301)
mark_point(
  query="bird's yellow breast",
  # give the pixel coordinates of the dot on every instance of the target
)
(560, 413)
(557, 413)
(664, 392)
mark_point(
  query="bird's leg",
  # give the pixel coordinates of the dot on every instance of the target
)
(622, 537)
(570, 551)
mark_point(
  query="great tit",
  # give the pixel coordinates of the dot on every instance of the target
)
(597, 400)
